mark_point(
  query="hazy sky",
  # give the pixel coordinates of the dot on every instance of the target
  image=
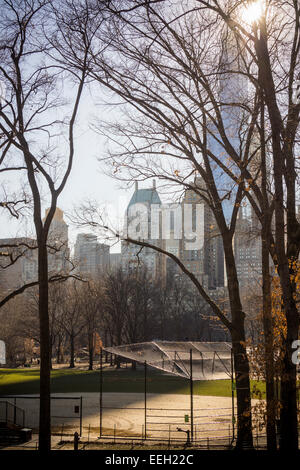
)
(87, 179)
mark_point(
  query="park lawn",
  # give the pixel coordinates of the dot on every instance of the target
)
(26, 381)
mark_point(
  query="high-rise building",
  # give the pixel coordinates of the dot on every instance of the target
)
(25, 269)
(115, 261)
(58, 247)
(247, 248)
(139, 226)
(18, 262)
(91, 257)
(232, 93)
(206, 259)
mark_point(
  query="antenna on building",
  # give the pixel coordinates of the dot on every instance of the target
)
(136, 185)
(154, 184)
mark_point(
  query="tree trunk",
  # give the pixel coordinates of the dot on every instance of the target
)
(45, 414)
(91, 351)
(241, 363)
(241, 367)
(288, 415)
(62, 356)
(58, 358)
(118, 362)
(269, 344)
(72, 353)
(58, 353)
(266, 289)
(288, 396)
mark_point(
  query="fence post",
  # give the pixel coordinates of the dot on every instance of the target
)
(80, 416)
(232, 397)
(101, 390)
(145, 397)
(15, 411)
(191, 393)
(76, 440)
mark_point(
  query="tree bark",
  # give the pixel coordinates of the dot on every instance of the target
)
(91, 351)
(269, 345)
(288, 395)
(241, 362)
(45, 398)
(266, 290)
(288, 415)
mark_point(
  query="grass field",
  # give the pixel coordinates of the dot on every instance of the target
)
(26, 381)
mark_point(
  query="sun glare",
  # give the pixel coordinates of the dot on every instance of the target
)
(252, 12)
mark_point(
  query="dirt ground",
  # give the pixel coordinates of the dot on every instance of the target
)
(124, 416)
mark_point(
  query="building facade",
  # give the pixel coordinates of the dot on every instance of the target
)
(91, 257)
(206, 260)
(139, 225)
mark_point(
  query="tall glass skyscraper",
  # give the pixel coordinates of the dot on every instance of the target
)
(232, 92)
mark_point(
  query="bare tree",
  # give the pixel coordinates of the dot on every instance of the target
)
(72, 319)
(175, 127)
(32, 66)
(117, 289)
(272, 42)
(168, 74)
(90, 302)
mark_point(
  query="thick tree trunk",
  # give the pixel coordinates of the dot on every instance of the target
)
(288, 396)
(269, 345)
(288, 416)
(241, 363)
(266, 289)
(241, 366)
(45, 414)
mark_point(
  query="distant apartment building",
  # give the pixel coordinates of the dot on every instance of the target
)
(206, 259)
(187, 230)
(141, 207)
(58, 244)
(91, 257)
(247, 249)
(115, 261)
(25, 269)
(17, 263)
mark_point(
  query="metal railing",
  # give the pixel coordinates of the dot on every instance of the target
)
(67, 413)
(10, 413)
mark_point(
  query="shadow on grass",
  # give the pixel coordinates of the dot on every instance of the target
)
(20, 381)
(75, 381)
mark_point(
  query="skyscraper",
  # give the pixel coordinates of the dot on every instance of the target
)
(205, 262)
(232, 93)
(24, 269)
(91, 257)
(58, 243)
(139, 226)
(247, 249)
